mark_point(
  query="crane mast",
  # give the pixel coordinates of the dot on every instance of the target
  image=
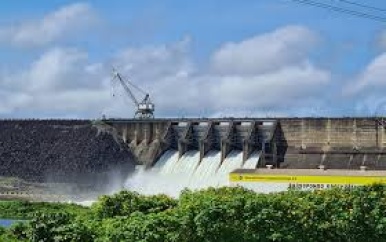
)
(145, 108)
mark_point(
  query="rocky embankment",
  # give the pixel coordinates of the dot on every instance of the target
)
(75, 151)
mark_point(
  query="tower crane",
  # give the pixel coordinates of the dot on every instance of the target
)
(145, 108)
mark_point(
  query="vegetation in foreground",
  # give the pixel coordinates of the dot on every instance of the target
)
(24, 210)
(224, 214)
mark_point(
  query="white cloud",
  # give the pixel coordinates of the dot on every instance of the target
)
(264, 53)
(288, 85)
(52, 27)
(12, 101)
(66, 81)
(372, 78)
(368, 88)
(148, 64)
(61, 80)
(55, 69)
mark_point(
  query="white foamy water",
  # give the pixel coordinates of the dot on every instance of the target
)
(186, 164)
(153, 182)
(170, 175)
(252, 161)
(234, 160)
(204, 175)
(86, 203)
(166, 163)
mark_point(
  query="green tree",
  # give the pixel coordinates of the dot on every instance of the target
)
(125, 203)
(60, 227)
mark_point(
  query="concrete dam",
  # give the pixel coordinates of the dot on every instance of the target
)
(264, 155)
(203, 152)
(284, 143)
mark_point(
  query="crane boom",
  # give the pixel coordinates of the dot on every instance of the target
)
(127, 89)
(145, 108)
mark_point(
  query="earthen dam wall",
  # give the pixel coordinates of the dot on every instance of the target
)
(61, 151)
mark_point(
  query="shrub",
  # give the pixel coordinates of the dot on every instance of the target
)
(224, 214)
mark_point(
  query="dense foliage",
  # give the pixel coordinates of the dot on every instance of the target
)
(224, 214)
(27, 210)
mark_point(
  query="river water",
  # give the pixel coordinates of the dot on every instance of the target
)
(8, 222)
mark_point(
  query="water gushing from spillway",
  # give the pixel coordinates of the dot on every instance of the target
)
(252, 161)
(233, 161)
(205, 174)
(186, 165)
(171, 174)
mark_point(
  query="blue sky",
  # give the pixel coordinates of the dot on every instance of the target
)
(196, 58)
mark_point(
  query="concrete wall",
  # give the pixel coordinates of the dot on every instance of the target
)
(140, 132)
(328, 133)
(339, 143)
(288, 143)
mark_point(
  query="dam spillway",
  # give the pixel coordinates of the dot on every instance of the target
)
(171, 174)
(197, 154)
(284, 143)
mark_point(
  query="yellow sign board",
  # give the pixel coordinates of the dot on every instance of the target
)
(316, 179)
